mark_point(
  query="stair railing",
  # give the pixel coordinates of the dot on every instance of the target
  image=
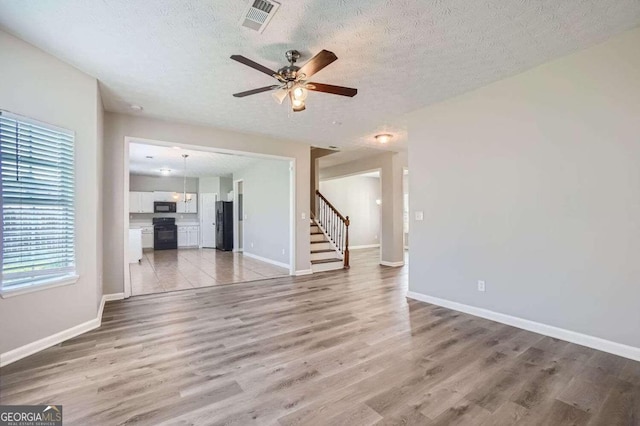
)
(335, 225)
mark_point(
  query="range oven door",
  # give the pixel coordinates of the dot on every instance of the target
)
(164, 207)
(165, 237)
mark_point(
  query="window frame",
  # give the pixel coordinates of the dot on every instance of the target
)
(55, 279)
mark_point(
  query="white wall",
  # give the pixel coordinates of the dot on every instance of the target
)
(161, 183)
(266, 194)
(226, 186)
(209, 184)
(533, 184)
(36, 85)
(119, 126)
(355, 196)
(391, 165)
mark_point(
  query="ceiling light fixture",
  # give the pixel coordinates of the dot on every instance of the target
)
(165, 172)
(384, 137)
(136, 107)
(297, 104)
(176, 147)
(184, 182)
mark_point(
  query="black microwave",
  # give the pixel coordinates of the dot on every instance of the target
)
(164, 207)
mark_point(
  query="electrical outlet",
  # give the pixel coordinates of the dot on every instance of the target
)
(419, 215)
(481, 286)
(304, 216)
(251, 245)
(282, 251)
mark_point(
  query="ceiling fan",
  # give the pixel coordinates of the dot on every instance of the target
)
(293, 79)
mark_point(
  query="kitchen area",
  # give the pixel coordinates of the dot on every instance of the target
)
(181, 221)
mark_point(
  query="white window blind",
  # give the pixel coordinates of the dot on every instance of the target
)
(37, 202)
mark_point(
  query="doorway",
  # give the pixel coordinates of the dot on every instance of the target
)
(358, 196)
(239, 217)
(208, 219)
(194, 181)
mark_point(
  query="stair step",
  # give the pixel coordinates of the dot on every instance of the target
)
(328, 250)
(319, 238)
(316, 233)
(319, 261)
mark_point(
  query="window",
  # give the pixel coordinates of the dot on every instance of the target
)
(37, 204)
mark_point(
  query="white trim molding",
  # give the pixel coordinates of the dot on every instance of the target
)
(46, 342)
(264, 259)
(366, 246)
(593, 342)
(303, 272)
(392, 264)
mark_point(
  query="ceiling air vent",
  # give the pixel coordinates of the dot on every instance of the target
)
(258, 15)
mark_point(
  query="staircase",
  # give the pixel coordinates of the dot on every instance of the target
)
(329, 237)
(324, 255)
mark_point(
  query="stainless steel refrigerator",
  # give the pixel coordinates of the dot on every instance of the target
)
(224, 225)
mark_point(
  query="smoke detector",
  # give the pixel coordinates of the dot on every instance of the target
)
(258, 15)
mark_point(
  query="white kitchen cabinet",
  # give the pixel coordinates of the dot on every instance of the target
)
(193, 236)
(146, 202)
(141, 202)
(147, 237)
(183, 240)
(134, 202)
(192, 203)
(188, 236)
(190, 206)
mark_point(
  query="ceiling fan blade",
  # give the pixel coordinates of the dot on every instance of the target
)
(280, 95)
(334, 90)
(254, 91)
(248, 62)
(317, 63)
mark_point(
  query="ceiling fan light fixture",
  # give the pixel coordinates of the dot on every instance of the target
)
(279, 95)
(299, 93)
(384, 137)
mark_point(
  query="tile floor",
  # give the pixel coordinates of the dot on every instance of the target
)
(169, 270)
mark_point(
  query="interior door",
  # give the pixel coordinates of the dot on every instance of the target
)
(208, 221)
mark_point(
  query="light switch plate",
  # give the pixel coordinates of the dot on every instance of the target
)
(304, 216)
(420, 215)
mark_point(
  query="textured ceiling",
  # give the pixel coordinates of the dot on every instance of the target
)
(172, 57)
(199, 163)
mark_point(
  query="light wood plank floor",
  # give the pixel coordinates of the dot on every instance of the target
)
(339, 348)
(168, 270)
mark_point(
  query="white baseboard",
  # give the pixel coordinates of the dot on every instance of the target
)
(46, 342)
(264, 259)
(304, 272)
(392, 264)
(620, 349)
(366, 246)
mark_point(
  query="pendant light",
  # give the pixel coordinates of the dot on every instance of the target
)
(184, 182)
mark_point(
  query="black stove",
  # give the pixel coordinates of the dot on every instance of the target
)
(165, 233)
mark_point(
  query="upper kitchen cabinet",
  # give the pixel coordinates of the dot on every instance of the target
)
(141, 202)
(191, 204)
